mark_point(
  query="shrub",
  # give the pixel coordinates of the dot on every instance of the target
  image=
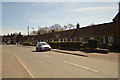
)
(92, 43)
(71, 44)
(114, 48)
(28, 43)
(84, 45)
(8, 42)
(103, 46)
(54, 44)
(74, 45)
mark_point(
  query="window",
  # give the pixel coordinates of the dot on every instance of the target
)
(71, 39)
(81, 39)
(63, 40)
(102, 40)
(52, 40)
(66, 40)
(74, 39)
(47, 40)
(59, 40)
(91, 38)
(110, 39)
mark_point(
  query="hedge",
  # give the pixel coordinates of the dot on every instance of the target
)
(92, 43)
(28, 43)
(74, 45)
(65, 45)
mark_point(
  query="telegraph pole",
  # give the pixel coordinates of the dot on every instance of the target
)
(28, 30)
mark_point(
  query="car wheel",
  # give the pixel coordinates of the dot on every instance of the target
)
(37, 49)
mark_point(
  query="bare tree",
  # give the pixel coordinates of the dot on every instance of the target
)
(56, 27)
(69, 26)
(34, 33)
(43, 30)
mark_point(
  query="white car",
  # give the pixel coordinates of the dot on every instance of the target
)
(40, 46)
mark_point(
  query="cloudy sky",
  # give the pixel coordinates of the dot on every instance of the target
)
(16, 16)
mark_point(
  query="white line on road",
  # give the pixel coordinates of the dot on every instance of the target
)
(47, 56)
(24, 66)
(81, 66)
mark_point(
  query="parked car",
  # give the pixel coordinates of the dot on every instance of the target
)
(40, 46)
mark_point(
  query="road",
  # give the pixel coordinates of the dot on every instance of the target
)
(24, 62)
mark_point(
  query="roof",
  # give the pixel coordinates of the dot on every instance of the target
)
(43, 36)
(56, 35)
(106, 29)
(62, 34)
(117, 17)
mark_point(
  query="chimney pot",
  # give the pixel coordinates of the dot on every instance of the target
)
(53, 31)
(78, 25)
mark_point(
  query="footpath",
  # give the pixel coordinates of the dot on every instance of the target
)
(109, 57)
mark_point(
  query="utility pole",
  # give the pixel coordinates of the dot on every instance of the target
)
(28, 30)
(38, 30)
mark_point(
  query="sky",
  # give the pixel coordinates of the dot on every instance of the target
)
(17, 16)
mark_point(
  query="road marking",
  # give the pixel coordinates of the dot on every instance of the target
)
(24, 66)
(48, 56)
(81, 66)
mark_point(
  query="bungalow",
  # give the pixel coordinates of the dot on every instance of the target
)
(61, 36)
(104, 33)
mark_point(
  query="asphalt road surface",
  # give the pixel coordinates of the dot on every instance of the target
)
(24, 62)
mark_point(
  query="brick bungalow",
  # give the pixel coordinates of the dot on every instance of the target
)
(62, 36)
(104, 33)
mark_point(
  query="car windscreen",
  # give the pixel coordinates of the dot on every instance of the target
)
(43, 43)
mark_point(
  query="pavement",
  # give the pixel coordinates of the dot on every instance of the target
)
(24, 62)
(102, 56)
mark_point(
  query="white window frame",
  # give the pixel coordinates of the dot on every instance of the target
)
(59, 40)
(52, 40)
(63, 40)
(103, 40)
(110, 39)
(91, 38)
(66, 39)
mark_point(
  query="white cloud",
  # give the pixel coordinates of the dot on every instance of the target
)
(93, 8)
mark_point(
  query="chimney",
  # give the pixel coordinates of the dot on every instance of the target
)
(78, 25)
(19, 33)
(53, 30)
